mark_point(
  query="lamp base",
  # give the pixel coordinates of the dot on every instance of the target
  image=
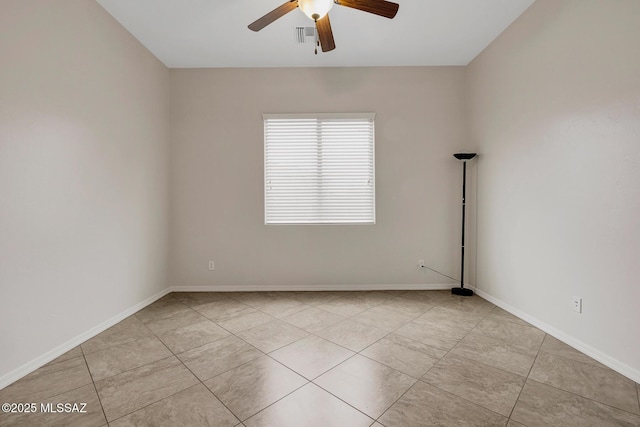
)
(462, 291)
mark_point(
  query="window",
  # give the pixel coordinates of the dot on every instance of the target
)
(319, 168)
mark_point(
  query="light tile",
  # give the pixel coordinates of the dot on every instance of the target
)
(366, 385)
(271, 336)
(218, 356)
(161, 309)
(132, 390)
(483, 385)
(524, 336)
(368, 298)
(353, 335)
(554, 346)
(281, 308)
(193, 299)
(313, 319)
(383, 319)
(541, 405)
(515, 424)
(130, 329)
(601, 384)
(311, 356)
(252, 298)
(188, 337)
(86, 399)
(313, 298)
(406, 306)
(74, 352)
(501, 314)
(344, 307)
(114, 360)
(179, 320)
(392, 293)
(406, 355)
(429, 297)
(195, 406)
(246, 320)
(223, 310)
(249, 388)
(497, 353)
(426, 405)
(450, 321)
(309, 406)
(50, 380)
(473, 304)
(439, 337)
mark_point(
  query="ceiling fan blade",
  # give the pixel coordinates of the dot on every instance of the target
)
(276, 13)
(325, 34)
(378, 7)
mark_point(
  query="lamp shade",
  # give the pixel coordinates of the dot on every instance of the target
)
(464, 156)
(315, 9)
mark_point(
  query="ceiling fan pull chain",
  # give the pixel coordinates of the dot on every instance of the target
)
(315, 21)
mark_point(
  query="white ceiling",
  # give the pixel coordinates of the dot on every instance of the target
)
(214, 33)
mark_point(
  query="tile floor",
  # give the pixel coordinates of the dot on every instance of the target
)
(383, 359)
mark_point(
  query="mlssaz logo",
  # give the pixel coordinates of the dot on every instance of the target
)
(66, 408)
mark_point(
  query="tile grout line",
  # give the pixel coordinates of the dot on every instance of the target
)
(395, 401)
(360, 351)
(457, 343)
(350, 357)
(432, 385)
(527, 377)
(64, 391)
(540, 350)
(562, 390)
(164, 358)
(586, 398)
(394, 333)
(277, 361)
(273, 403)
(94, 384)
(194, 375)
(337, 397)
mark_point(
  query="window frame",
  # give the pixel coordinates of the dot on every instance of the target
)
(322, 116)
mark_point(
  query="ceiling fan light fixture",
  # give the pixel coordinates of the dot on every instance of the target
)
(315, 9)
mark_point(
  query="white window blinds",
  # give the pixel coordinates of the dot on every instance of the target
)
(319, 168)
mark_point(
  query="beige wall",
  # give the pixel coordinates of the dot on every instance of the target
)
(84, 145)
(217, 176)
(554, 110)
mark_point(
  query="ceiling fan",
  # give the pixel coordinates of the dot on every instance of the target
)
(318, 11)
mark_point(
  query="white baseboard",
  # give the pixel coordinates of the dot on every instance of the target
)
(601, 357)
(40, 361)
(291, 288)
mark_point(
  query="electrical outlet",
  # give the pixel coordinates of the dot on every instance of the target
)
(212, 265)
(421, 263)
(576, 304)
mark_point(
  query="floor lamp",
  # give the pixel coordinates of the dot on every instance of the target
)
(464, 157)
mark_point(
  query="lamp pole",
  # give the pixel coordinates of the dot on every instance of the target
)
(464, 157)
